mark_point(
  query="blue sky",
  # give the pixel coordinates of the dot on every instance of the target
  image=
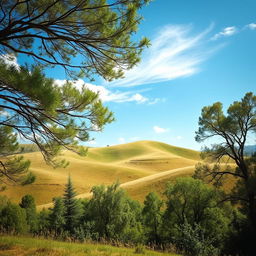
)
(201, 52)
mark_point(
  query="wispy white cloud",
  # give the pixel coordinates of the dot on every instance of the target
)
(226, 32)
(107, 95)
(173, 53)
(158, 129)
(251, 26)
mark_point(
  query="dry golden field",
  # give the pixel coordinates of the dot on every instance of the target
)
(140, 167)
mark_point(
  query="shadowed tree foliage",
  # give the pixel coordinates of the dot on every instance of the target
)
(57, 220)
(232, 130)
(191, 202)
(152, 216)
(86, 38)
(28, 203)
(13, 219)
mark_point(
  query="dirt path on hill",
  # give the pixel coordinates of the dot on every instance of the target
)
(130, 183)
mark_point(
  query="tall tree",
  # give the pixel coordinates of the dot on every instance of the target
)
(72, 211)
(232, 130)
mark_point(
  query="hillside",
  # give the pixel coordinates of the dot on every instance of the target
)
(125, 163)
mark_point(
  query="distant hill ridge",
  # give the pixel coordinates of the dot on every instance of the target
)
(105, 165)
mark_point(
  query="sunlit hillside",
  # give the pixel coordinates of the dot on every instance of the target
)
(124, 163)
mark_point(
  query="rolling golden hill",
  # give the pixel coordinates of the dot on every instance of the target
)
(140, 167)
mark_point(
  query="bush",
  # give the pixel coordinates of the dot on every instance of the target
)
(193, 242)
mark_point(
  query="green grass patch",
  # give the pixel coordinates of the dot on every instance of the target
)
(26, 246)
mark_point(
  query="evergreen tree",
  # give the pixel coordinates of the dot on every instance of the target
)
(57, 220)
(72, 211)
(28, 203)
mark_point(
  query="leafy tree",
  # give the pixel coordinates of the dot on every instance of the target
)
(113, 214)
(152, 216)
(193, 202)
(86, 38)
(13, 219)
(57, 220)
(71, 212)
(43, 222)
(28, 203)
(232, 130)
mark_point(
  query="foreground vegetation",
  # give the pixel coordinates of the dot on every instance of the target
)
(25, 246)
(189, 221)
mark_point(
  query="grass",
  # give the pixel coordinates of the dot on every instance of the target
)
(106, 165)
(26, 246)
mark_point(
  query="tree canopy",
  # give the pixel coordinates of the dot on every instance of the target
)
(86, 38)
(53, 32)
(233, 129)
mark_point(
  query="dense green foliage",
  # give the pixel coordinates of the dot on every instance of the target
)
(232, 130)
(190, 220)
(152, 217)
(28, 203)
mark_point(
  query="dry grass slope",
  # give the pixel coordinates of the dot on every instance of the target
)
(106, 165)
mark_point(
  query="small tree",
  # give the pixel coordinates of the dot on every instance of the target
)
(43, 222)
(28, 203)
(72, 211)
(13, 219)
(57, 220)
(114, 215)
(152, 216)
(192, 241)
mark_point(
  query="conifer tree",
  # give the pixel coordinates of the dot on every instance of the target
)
(72, 211)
